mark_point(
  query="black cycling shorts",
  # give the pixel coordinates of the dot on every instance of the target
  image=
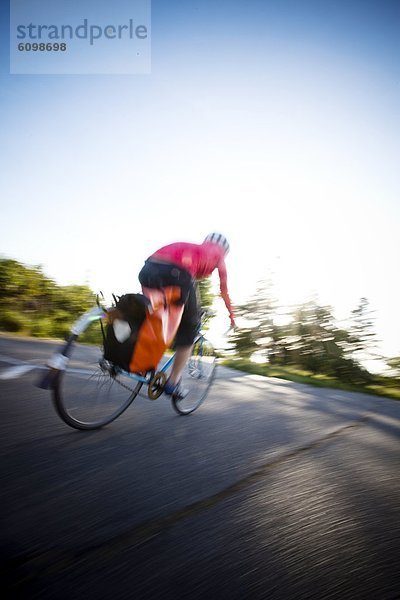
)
(158, 275)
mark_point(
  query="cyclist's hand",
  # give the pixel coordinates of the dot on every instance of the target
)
(231, 330)
(233, 327)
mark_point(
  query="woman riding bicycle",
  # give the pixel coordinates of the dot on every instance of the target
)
(181, 264)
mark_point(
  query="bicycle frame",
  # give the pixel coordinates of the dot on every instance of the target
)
(93, 396)
(59, 361)
(147, 378)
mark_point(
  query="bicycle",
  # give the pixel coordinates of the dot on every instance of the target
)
(90, 392)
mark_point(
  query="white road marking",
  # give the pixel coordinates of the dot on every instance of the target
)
(20, 367)
(10, 360)
(14, 372)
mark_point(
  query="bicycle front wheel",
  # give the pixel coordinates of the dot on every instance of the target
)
(91, 392)
(197, 378)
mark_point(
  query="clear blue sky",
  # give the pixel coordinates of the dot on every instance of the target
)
(276, 122)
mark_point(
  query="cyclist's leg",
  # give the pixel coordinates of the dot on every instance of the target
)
(159, 275)
(185, 337)
(181, 357)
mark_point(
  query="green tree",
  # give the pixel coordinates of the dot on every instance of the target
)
(32, 303)
(362, 335)
(319, 345)
(310, 338)
(312, 342)
(394, 364)
(243, 341)
(74, 299)
(260, 332)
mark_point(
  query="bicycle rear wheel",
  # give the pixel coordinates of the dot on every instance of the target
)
(197, 377)
(91, 392)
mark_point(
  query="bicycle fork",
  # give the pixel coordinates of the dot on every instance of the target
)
(58, 362)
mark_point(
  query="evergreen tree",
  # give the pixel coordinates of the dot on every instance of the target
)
(361, 342)
(260, 333)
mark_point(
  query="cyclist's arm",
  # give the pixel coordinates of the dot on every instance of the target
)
(223, 279)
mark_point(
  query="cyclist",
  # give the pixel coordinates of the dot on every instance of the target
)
(182, 264)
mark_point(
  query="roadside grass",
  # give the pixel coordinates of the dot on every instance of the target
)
(388, 387)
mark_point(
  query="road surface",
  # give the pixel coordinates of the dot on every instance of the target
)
(271, 490)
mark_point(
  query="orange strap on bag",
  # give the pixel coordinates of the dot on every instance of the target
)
(158, 329)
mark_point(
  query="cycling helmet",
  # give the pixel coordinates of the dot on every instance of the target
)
(218, 238)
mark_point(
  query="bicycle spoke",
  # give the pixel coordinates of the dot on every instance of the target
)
(91, 392)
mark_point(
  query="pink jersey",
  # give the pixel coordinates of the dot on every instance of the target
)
(200, 260)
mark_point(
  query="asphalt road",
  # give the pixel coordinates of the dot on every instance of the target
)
(271, 490)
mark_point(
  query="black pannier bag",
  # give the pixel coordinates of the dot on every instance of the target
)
(125, 321)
